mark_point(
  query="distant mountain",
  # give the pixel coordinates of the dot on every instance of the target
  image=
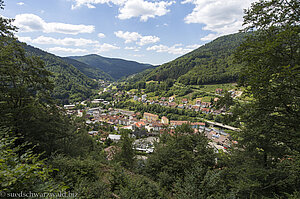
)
(138, 76)
(70, 84)
(116, 68)
(211, 63)
(90, 71)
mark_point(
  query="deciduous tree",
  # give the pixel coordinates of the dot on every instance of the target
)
(271, 136)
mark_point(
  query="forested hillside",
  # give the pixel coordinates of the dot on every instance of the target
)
(138, 76)
(46, 153)
(211, 63)
(69, 83)
(89, 71)
(117, 68)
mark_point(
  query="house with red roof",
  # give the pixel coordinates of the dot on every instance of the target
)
(185, 101)
(149, 117)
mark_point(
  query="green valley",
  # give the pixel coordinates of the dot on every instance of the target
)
(219, 122)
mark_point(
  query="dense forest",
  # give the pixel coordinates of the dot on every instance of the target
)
(138, 76)
(89, 71)
(44, 151)
(211, 63)
(117, 68)
(70, 83)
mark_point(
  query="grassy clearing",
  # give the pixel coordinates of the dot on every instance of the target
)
(134, 90)
(151, 81)
(212, 88)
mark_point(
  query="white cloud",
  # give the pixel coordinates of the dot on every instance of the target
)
(136, 37)
(128, 36)
(89, 3)
(176, 49)
(66, 50)
(31, 23)
(64, 42)
(106, 47)
(101, 35)
(134, 48)
(25, 39)
(211, 36)
(20, 3)
(148, 40)
(144, 9)
(96, 47)
(219, 16)
(131, 8)
(90, 6)
(136, 55)
(194, 46)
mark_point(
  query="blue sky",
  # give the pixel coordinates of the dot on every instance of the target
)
(147, 31)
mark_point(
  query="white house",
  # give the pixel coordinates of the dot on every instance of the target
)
(114, 137)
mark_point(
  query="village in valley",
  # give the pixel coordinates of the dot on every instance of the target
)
(104, 119)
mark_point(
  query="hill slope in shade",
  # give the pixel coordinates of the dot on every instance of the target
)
(211, 63)
(116, 68)
(69, 83)
(89, 71)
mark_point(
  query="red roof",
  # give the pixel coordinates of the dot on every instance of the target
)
(172, 104)
(140, 124)
(150, 114)
(205, 109)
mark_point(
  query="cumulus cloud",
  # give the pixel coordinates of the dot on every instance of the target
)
(66, 50)
(106, 47)
(134, 48)
(136, 37)
(176, 49)
(101, 35)
(89, 3)
(31, 23)
(64, 42)
(219, 16)
(91, 6)
(194, 46)
(131, 8)
(128, 36)
(20, 3)
(148, 40)
(143, 9)
(25, 39)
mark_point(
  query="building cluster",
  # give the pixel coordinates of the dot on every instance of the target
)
(99, 101)
(149, 125)
(200, 105)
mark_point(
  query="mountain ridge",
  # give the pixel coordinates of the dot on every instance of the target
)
(70, 84)
(89, 71)
(115, 67)
(210, 63)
